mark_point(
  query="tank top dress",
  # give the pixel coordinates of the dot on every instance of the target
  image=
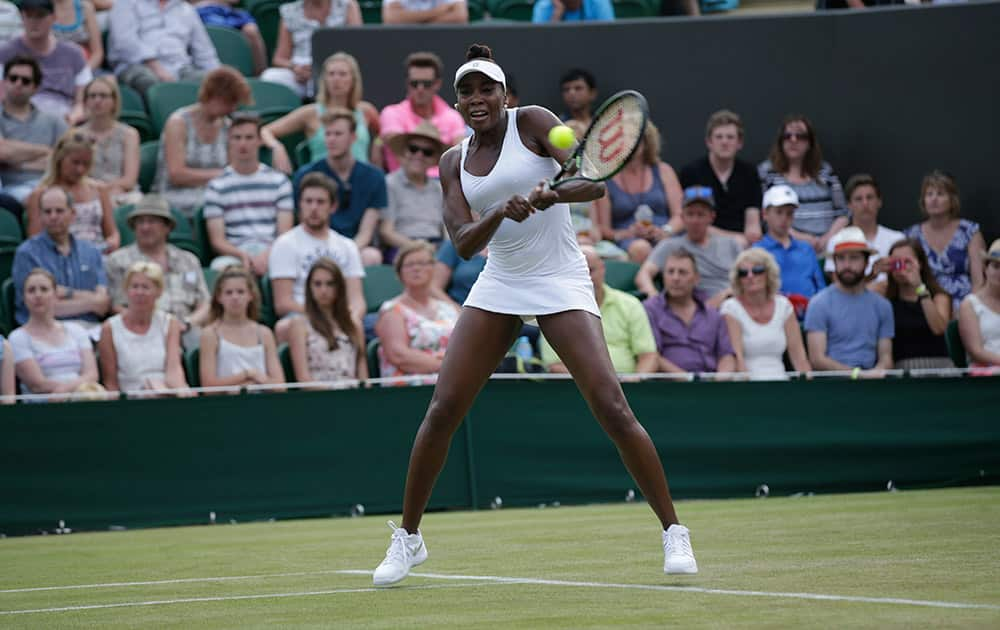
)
(87, 226)
(989, 323)
(624, 204)
(197, 154)
(362, 138)
(326, 364)
(535, 267)
(232, 358)
(141, 358)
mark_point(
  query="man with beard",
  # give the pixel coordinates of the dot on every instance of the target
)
(850, 328)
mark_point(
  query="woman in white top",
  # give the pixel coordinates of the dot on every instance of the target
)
(116, 145)
(51, 357)
(7, 377)
(69, 168)
(140, 348)
(493, 189)
(979, 315)
(235, 349)
(762, 323)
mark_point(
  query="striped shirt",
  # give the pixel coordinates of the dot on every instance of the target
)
(821, 200)
(249, 204)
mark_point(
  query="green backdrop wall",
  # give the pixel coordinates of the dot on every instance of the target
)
(168, 462)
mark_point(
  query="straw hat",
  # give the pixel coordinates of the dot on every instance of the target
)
(424, 131)
(993, 253)
(851, 239)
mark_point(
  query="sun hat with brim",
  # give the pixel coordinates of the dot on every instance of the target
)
(851, 239)
(993, 253)
(151, 206)
(425, 131)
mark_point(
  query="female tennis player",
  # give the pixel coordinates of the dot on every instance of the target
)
(495, 193)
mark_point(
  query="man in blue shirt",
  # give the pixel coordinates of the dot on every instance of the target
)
(362, 192)
(572, 11)
(848, 327)
(800, 270)
(82, 284)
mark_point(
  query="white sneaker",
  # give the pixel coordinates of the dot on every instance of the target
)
(405, 552)
(678, 557)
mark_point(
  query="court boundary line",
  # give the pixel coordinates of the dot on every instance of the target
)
(223, 578)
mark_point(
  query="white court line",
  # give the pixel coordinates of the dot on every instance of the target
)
(224, 578)
(697, 589)
(227, 598)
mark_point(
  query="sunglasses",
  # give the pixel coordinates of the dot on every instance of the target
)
(414, 149)
(795, 135)
(697, 192)
(424, 83)
(757, 270)
(23, 80)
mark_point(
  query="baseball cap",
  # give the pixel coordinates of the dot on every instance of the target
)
(780, 195)
(699, 194)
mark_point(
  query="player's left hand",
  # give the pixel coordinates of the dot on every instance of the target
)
(542, 197)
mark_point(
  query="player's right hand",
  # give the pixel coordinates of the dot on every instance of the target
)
(518, 209)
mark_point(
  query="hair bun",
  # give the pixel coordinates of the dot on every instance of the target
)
(479, 51)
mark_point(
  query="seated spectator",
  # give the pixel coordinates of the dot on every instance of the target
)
(327, 344)
(848, 327)
(10, 21)
(690, 335)
(185, 294)
(864, 200)
(414, 327)
(292, 60)
(27, 134)
(762, 324)
(82, 291)
(425, 12)
(235, 349)
(76, 22)
(734, 183)
(140, 347)
(116, 145)
(579, 91)
(152, 42)
(423, 82)
(294, 253)
(224, 14)
(69, 164)
(340, 88)
(50, 356)
(416, 203)
(249, 205)
(953, 245)
(800, 272)
(193, 143)
(454, 275)
(642, 204)
(979, 316)
(626, 327)
(715, 253)
(64, 71)
(362, 194)
(7, 378)
(797, 161)
(572, 11)
(921, 309)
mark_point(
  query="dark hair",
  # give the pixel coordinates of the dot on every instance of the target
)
(926, 273)
(341, 314)
(858, 180)
(319, 180)
(511, 85)
(246, 118)
(682, 254)
(24, 60)
(236, 272)
(813, 159)
(425, 59)
(479, 51)
(581, 74)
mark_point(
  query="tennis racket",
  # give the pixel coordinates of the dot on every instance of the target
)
(610, 141)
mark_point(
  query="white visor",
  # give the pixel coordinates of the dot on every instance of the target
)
(487, 67)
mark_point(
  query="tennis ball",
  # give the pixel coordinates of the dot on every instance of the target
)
(561, 137)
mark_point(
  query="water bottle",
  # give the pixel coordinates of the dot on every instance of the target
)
(644, 215)
(522, 348)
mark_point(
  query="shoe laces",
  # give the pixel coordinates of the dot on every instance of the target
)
(398, 550)
(679, 543)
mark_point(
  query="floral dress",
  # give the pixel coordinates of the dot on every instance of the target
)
(950, 267)
(428, 334)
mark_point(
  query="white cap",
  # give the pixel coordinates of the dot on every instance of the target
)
(780, 195)
(487, 67)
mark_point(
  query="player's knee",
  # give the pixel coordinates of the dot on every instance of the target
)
(444, 413)
(615, 416)
(638, 250)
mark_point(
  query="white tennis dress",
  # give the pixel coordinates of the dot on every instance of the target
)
(534, 267)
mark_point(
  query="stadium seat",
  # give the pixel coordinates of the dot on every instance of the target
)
(477, 10)
(131, 100)
(956, 349)
(10, 229)
(302, 154)
(191, 367)
(634, 9)
(7, 305)
(140, 122)
(371, 11)
(211, 275)
(285, 356)
(6, 260)
(149, 153)
(267, 315)
(272, 100)
(233, 49)
(200, 233)
(714, 6)
(166, 98)
(372, 353)
(516, 10)
(620, 274)
(380, 284)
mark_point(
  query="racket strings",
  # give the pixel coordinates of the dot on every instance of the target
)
(613, 139)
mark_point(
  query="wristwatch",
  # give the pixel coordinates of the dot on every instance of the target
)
(922, 291)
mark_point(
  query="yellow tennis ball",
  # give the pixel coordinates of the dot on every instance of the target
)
(561, 137)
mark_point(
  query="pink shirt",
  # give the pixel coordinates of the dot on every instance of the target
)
(400, 118)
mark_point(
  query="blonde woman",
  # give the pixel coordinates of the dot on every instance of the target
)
(979, 315)
(341, 87)
(69, 168)
(140, 348)
(762, 323)
(116, 145)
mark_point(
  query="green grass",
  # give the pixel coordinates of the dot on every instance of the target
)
(937, 545)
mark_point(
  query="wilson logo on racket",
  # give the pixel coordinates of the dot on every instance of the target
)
(611, 137)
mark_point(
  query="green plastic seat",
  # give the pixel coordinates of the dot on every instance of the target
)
(166, 98)
(200, 234)
(380, 284)
(620, 274)
(372, 353)
(140, 122)
(7, 253)
(477, 10)
(267, 315)
(7, 305)
(10, 229)
(634, 9)
(192, 367)
(132, 101)
(272, 100)
(149, 153)
(371, 11)
(285, 357)
(516, 10)
(956, 349)
(302, 154)
(233, 49)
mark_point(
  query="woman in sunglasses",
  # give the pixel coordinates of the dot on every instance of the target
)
(762, 323)
(796, 160)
